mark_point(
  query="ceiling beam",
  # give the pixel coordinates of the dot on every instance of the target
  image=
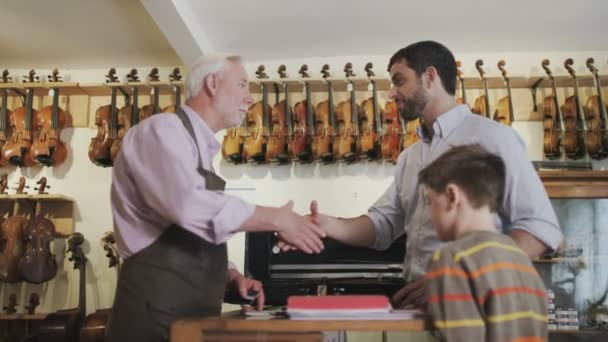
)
(178, 23)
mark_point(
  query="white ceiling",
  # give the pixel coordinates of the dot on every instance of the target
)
(80, 34)
(102, 33)
(278, 29)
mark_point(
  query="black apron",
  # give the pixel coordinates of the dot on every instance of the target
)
(179, 275)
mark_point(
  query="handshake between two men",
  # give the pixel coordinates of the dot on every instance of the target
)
(301, 232)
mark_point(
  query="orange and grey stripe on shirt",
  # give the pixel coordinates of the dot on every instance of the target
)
(484, 288)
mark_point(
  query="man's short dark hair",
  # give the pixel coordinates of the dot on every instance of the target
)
(479, 173)
(419, 56)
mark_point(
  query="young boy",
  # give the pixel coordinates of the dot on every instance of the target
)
(481, 286)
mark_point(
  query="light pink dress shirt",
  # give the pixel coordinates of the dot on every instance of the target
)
(155, 184)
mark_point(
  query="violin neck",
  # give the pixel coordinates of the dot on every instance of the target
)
(309, 117)
(29, 103)
(330, 104)
(353, 107)
(113, 115)
(558, 111)
(55, 115)
(178, 96)
(3, 110)
(580, 113)
(265, 113)
(511, 109)
(487, 99)
(288, 116)
(377, 118)
(82, 295)
(462, 90)
(600, 98)
(135, 107)
(155, 101)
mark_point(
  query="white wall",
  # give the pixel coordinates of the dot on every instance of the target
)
(342, 190)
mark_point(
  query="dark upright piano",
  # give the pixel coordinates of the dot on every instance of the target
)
(339, 269)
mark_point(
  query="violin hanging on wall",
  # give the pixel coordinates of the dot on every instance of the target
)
(11, 241)
(392, 141)
(5, 128)
(276, 149)
(347, 114)
(234, 139)
(371, 122)
(322, 144)
(463, 98)
(482, 103)
(106, 120)
(300, 144)
(597, 119)
(258, 117)
(128, 115)
(17, 149)
(553, 124)
(504, 112)
(38, 264)
(48, 149)
(574, 120)
(175, 76)
(232, 146)
(153, 108)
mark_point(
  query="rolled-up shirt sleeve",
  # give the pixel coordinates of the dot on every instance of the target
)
(526, 205)
(387, 214)
(164, 171)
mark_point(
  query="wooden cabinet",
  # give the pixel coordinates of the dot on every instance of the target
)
(575, 184)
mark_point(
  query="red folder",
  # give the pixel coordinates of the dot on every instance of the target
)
(347, 302)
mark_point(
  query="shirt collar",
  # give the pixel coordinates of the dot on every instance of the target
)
(208, 137)
(445, 123)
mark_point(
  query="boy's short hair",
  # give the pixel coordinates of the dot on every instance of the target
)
(479, 173)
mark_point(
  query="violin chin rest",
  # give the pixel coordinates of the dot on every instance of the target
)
(372, 154)
(259, 157)
(282, 158)
(104, 162)
(236, 158)
(44, 159)
(16, 160)
(350, 157)
(305, 157)
(327, 158)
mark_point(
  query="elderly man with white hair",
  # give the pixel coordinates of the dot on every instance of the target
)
(171, 216)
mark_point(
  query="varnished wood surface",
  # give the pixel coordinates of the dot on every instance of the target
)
(575, 184)
(233, 327)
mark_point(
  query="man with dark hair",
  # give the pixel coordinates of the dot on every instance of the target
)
(481, 286)
(425, 54)
(423, 76)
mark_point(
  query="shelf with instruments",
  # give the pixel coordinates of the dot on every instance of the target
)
(57, 208)
(384, 83)
(89, 89)
(80, 99)
(320, 84)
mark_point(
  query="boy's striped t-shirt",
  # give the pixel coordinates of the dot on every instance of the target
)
(483, 287)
